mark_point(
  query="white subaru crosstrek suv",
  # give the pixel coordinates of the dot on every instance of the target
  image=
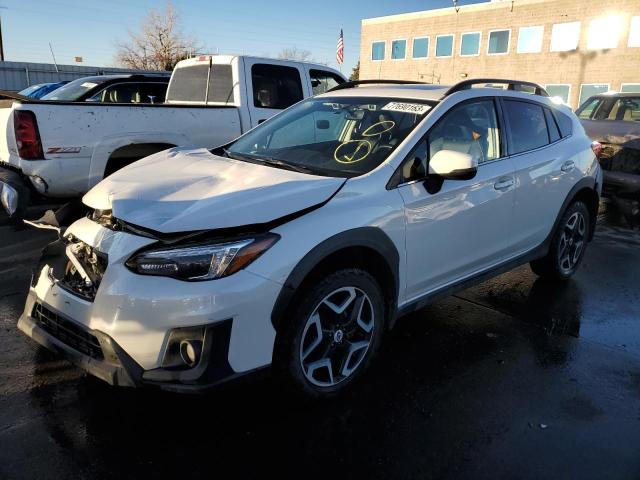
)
(299, 244)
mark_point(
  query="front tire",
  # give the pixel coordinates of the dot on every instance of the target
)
(333, 333)
(567, 246)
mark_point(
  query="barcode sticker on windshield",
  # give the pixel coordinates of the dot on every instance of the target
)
(417, 108)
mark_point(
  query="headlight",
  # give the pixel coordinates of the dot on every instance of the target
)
(201, 262)
(8, 198)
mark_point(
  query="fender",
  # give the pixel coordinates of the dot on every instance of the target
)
(370, 237)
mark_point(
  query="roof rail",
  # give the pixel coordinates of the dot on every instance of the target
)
(511, 85)
(355, 83)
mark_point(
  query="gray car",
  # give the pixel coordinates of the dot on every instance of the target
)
(614, 121)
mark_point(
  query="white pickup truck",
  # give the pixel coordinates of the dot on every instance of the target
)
(62, 149)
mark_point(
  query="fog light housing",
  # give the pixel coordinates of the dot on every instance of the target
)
(39, 184)
(190, 351)
(184, 348)
(9, 198)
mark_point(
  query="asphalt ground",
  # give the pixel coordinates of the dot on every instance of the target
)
(513, 378)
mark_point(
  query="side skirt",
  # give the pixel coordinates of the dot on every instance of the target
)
(450, 289)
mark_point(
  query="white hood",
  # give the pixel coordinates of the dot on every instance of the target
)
(182, 190)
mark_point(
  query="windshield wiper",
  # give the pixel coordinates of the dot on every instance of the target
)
(274, 162)
(264, 160)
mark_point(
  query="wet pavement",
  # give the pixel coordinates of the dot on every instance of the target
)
(513, 378)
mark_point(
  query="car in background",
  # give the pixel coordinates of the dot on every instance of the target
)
(613, 120)
(39, 90)
(134, 88)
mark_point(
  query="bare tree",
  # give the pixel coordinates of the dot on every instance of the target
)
(295, 53)
(159, 44)
(355, 73)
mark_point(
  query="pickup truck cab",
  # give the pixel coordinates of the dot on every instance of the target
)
(63, 148)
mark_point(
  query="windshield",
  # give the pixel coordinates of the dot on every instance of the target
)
(72, 91)
(29, 90)
(340, 137)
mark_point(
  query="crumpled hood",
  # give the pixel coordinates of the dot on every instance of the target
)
(181, 190)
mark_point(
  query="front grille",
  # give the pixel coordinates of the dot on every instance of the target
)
(67, 332)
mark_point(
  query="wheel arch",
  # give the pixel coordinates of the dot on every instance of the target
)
(127, 154)
(586, 190)
(368, 248)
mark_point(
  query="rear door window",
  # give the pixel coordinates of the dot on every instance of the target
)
(626, 109)
(153, 92)
(321, 81)
(275, 86)
(587, 111)
(527, 126)
(120, 93)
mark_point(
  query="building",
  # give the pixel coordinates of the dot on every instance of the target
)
(575, 48)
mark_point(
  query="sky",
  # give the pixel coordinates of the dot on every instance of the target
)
(91, 28)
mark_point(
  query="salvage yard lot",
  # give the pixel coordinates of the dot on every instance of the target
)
(513, 378)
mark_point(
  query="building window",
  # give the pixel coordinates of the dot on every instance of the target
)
(589, 89)
(444, 45)
(559, 90)
(398, 49)
(377, 51)
(634, 32)
(603, 32)
(498, 42)
(565, 36)
(470, 44)
(630, 87)
(530, 39)
(420, 47)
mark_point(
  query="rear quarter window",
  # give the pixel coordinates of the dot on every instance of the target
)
(565, 124)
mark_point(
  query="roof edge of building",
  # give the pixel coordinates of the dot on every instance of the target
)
(437, 12)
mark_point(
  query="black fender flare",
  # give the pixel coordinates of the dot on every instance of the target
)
(367, 237)
(584, 183)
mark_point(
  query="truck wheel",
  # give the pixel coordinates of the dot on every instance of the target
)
(334, 332)
(567, 246)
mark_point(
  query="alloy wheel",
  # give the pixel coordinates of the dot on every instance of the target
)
(337, 336)
(571, 242)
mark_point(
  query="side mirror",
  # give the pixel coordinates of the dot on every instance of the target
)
(452, 165)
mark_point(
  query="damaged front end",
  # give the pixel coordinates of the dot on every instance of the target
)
(75, 266)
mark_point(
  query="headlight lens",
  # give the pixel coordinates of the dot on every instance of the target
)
(202, 262)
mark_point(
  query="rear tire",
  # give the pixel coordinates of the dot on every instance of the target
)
(567, 246)
(333, 332)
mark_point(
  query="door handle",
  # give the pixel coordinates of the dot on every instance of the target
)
(504, 183)
(568, 166)
(262, 120)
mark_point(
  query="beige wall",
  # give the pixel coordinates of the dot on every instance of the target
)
(581, 66)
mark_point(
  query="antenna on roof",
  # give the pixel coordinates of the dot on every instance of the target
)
(456, 6)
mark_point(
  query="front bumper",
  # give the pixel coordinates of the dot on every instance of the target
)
(132, 318)
(113, 365)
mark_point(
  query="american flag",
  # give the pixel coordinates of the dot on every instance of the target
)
(340, 49)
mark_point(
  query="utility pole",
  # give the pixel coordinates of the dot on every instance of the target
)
(1, 44)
